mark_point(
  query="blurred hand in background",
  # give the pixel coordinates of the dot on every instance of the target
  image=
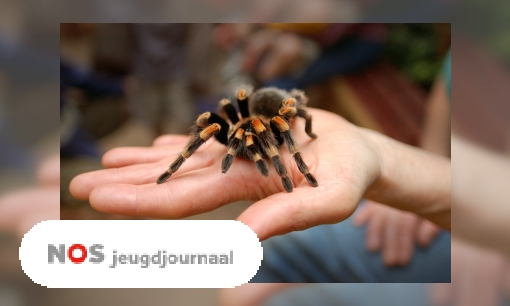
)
(393, 232)
(266, 53)
(270, 53)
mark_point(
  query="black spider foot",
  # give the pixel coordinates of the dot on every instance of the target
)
(287, 184)
(163, 177)
(309, 177)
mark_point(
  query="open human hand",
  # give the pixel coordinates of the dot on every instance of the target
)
(347, 162)
(343, 160)
(394, 232)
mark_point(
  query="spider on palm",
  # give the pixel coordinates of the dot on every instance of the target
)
(264, 127)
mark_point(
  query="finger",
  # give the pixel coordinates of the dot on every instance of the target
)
(362, 215)
(375, 233)
(125, 156)
(406, 234)
(390, 242)
(283, 212)
(171, 140)
(426, 233)
(81, 186)
(180, 197)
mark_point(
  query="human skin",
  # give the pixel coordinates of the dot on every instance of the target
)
(480, 195)
(348, 162)
(267, 53)
(480, 276)
(20, 210)
(250, 294)
(393, 232)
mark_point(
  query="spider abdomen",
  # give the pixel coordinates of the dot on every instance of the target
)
(267, 101)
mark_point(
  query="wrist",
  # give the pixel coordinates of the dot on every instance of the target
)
(411, 179)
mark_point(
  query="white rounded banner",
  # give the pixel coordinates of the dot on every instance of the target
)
(140, 253)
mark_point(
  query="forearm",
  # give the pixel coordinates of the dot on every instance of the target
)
(412, 179)
(481, 195)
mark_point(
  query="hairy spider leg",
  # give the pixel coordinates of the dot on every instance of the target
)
(230, 110)
(235, 145)
(290, 108)
(255, 155)
(242, 101)
(197, 140)
(268, 145)
(308, 122)
(284, 129)
(208, 118)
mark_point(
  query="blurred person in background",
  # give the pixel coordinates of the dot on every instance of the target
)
(75, 140)
(162, 100)
(296, 55)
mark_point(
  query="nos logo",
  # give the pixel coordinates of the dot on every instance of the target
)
(77, 253)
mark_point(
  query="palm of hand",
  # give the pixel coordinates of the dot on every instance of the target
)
(341, 159)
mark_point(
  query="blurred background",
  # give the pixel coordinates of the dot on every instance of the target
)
(29, 116)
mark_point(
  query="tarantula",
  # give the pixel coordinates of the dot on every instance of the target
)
(255, 136)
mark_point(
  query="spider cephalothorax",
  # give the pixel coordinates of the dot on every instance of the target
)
(262, 128)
